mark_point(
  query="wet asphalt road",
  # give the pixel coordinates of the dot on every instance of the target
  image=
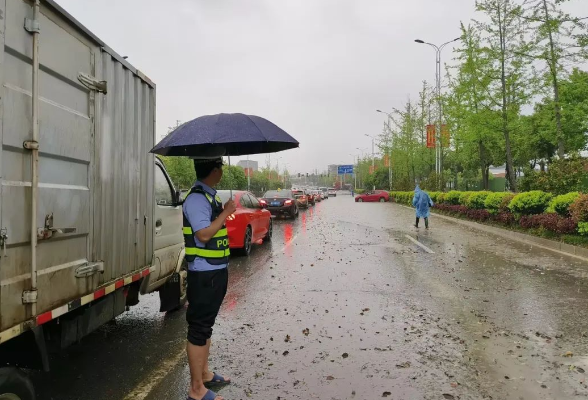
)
(343, 305)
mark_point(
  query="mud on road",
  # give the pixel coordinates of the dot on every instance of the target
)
(343, 304)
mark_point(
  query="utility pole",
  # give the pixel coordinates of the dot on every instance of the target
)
(439, 123)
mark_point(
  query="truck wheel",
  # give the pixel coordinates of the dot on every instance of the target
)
(15, 385)
(183, 285)
(174, 294)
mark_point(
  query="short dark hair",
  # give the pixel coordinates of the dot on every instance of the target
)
(204, 168)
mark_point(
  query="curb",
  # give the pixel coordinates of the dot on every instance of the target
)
(558, 247)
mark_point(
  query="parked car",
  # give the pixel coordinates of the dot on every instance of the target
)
(301, 198)
(373, 196)
(332, 192)
(251, 223)
(280, 202)
(311, 198)
(317, 196)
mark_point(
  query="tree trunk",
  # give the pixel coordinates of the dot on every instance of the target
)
(505, 128)
(555, 82)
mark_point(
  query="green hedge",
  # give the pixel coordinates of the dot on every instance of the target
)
(579, 208)
(535, 202)
(452, 198)
(561, 204)
(497, 202)
(530, 203)
(477, 200)
(402, 197)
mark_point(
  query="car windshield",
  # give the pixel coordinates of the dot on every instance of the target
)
(298, 193)
(278, 193)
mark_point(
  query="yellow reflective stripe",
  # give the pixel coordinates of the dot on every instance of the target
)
(205, 253)
(209, 197)
(222, 232)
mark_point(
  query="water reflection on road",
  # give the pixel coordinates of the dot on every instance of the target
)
(340, 305)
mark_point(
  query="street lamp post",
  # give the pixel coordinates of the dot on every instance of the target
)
(389, 149)
(362, 150)
(438, 147)
(373, 156)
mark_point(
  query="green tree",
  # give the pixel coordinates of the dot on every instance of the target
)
(181, 171)
(512, 78)
(233, 178)
(469, 110)
(557, 44)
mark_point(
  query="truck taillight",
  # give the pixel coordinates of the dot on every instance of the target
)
(263, 201)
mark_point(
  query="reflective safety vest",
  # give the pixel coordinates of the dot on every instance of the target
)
(216, 251)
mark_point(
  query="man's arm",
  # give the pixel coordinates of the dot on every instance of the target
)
(204, 235)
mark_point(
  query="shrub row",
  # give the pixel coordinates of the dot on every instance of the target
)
(564, 214)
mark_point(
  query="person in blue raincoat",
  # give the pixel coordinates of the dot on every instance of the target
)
(421, 202)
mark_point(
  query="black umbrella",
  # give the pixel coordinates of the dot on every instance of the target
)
(225, 135)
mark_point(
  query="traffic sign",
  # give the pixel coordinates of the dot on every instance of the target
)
(344, 169)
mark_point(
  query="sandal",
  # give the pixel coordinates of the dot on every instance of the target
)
(217, 380)
(210, 395)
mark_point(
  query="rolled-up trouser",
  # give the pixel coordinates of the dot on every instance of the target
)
(206, 292)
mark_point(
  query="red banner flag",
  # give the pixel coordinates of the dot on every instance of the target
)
(431, 139)
(445, 138)
(386, 160)
(371, 169)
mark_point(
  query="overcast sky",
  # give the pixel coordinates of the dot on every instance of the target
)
(317, 68)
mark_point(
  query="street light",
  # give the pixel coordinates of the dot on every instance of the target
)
(373, 155)
(389, 150)
(438, 147)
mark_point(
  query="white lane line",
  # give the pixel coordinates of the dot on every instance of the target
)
(286, 246)
(146, 386)
(422, 246)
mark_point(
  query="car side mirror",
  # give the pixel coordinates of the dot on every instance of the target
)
(178, 198)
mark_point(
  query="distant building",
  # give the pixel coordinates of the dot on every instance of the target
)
(249, 164)
(333, 170)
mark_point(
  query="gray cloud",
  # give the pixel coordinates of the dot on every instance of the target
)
(317, 68)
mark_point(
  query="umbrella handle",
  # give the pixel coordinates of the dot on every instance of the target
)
(231, 188)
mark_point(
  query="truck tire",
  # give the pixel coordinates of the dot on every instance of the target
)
(183, 285)
(15, 385)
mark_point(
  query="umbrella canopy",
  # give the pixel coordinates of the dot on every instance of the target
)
(225, 135)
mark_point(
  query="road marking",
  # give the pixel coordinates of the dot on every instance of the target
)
(422, 246)
(146, 386)
(286, 246)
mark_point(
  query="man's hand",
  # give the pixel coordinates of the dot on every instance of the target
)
(230, 207)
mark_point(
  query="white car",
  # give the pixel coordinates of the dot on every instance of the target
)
(332, 193)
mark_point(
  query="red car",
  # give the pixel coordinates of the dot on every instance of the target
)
(373, 196)
(251, 223)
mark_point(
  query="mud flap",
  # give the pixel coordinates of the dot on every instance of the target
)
(169, 294)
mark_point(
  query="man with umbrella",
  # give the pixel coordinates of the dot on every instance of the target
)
(207, 253)
(207, 244)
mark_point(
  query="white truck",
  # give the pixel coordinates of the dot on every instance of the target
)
(88, 218)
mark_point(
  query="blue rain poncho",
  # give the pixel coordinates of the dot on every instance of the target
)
(421, 202)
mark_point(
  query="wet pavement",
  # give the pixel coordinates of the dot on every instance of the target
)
(343, 304)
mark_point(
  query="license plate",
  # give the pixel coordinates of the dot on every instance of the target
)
(275, 203)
